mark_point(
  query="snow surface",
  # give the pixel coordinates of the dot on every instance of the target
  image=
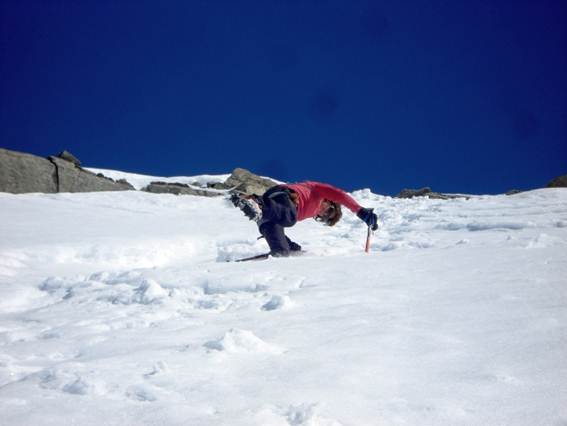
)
(119, 308)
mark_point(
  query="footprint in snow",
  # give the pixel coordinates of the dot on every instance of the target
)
(300, 415)
(158, 369)
(160, 375)
(307, 414)
(277, 302)
(71, 381)
(140, 393)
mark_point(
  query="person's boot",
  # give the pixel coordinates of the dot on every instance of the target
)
(249, 205)
(293, 246)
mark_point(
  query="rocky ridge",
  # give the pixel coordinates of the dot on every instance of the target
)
(25, 173)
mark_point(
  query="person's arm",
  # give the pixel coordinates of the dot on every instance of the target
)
(338, 196)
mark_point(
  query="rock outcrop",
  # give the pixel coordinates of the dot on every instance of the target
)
(22, 173)
(71, 178)
(245, 181)
(241, 180)
(179, 189)
(427, 192)
(558, 182)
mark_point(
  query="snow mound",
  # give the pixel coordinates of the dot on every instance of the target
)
(125, 288)
(236, 341)
(149, 292)
(277, 302)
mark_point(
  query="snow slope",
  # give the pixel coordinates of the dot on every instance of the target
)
(120, 309)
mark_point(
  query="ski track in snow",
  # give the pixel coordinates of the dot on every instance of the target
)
(121, 308)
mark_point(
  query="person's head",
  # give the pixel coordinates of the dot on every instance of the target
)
(329, 213)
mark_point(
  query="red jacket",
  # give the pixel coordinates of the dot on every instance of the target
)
(311, 194)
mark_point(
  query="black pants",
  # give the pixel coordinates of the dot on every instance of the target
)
(278, 212)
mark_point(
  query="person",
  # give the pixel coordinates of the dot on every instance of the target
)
(282, 206)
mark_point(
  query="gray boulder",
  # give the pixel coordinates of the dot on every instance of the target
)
(67, 156)
(71, 178)
(245, 181)
(20, 173)
(558, 182)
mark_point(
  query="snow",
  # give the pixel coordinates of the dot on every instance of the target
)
(119, 308)
(139, 181)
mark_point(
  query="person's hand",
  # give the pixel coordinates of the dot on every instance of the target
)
(369, 217)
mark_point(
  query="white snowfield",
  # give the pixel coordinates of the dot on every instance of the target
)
(120, 308)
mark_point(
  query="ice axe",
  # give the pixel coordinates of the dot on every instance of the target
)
(367, 246)
(371, 229)
(368, 216)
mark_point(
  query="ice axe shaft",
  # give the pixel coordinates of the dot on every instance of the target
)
(367, 247)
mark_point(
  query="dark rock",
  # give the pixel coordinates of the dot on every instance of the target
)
(427, 192)
(178, 189)
(410, 193)
(218, 185)
(558, 182)
(21, 173)
(67, 156)
(513, 192)
(240, 179)
(248, 182)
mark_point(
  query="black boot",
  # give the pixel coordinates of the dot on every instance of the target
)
(293, 246)
(276, 239)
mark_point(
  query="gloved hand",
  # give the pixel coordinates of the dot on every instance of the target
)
(369, 217)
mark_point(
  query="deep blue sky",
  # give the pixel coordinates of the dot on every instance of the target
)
(458, 95)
